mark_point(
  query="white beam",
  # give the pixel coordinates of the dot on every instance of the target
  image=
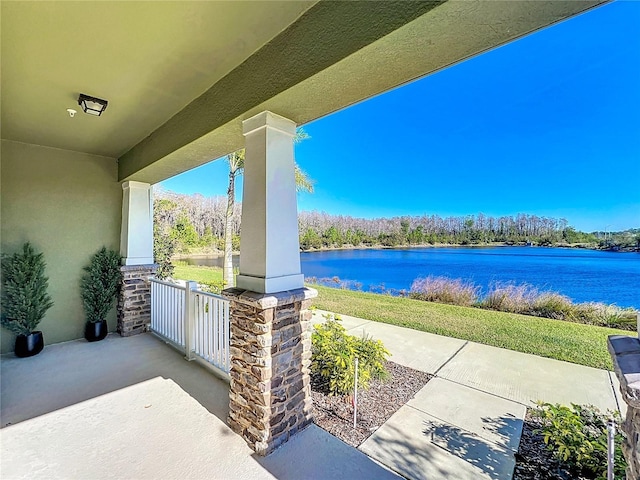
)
(269, 246)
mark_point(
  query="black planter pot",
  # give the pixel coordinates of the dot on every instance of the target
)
(29, 345)
(95, 332)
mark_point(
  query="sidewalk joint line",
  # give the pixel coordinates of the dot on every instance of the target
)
(451, 358)
(478, 389)
(613, 390)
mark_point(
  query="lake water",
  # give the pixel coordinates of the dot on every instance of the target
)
(582, 275)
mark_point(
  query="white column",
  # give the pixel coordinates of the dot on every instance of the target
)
(136, 238)
(269, 245)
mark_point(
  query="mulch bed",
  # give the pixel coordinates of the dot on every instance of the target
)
(375, 405)
(534, 461)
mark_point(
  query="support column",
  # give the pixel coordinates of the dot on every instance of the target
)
(134, 301)
(136, 249)
(269, 244)
(136, 236)
(270, 393)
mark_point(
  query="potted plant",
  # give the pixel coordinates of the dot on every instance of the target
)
(24, 298)
(99, 288)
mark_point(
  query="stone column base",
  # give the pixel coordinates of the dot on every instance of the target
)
(134, 302)
(625, 352)
(270, 391)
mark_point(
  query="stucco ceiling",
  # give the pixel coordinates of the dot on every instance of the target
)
(148, 59)
(181, 76)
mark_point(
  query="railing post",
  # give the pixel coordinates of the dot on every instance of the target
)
(189, 319)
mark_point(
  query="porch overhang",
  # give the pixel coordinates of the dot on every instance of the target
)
(335, 55)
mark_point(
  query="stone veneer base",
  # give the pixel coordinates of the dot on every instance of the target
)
(134, 301)
(270, 391)
(625, 352)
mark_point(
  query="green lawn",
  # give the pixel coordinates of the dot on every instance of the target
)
(571, 342)
(199, 274)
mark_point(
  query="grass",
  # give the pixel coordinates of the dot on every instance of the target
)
(561, 340)
(199, 274)
(444, 290)
(567, 341)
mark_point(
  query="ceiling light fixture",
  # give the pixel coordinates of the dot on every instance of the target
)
(92, 105)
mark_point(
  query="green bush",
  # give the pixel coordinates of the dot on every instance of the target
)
(215, 286)
(100, 284)
(334, 353)
(163, 249)
(24, 291)
(577, 435)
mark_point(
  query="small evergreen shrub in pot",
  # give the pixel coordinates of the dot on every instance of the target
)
(99, 288)
(25, 299)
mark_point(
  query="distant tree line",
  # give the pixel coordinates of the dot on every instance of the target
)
(321, 230)
(192, 221)
(195, 221)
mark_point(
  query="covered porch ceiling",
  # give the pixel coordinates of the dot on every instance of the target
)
(181, 76)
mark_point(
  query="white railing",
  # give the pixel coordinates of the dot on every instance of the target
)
(167, 311)
(211, 332)
(194, 322)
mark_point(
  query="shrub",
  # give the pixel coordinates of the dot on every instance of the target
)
(606, 315)
(333, 358)
(24, 291)
(100, 284)
(163, 249)
(577, 435)
(215, 286)
(552, 305)
(509, 297)
(444, 290)
(527, 300)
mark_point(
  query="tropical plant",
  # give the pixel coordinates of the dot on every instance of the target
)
(25, 300)
(333, 358)
(236, 166)
(100, 284)
(577, 436)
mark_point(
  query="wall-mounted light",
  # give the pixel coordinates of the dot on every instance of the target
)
(92, 105)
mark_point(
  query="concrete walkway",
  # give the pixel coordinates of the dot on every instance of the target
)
(467, 421)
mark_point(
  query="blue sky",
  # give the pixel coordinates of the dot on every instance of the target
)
(547, 125)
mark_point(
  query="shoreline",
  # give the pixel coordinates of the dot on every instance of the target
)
(581, 246)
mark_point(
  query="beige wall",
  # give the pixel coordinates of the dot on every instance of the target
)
(67, 204)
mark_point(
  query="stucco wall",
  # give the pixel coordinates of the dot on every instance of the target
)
(67, 204)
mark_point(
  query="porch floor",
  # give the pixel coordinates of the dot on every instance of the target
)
(134, 408)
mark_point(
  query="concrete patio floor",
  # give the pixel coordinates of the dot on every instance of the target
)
(134, 408)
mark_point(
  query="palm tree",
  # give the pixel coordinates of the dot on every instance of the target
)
(236, 166)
